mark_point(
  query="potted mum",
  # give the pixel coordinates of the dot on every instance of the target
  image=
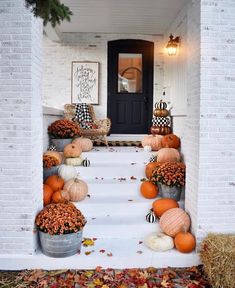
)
(170, 177)
(62, 132)
(60, 229)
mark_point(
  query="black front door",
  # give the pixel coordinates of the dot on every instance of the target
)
(130, 86)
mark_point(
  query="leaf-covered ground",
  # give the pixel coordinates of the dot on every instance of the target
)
(106, 278)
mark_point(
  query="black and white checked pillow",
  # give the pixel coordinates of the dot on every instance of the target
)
(161, 121)
(83, 116)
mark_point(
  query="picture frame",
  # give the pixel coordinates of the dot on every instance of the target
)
(85, 82)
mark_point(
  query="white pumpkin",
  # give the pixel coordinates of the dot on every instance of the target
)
(159, 242)
(77, 189)
(85, 143)
(74, 161)
(67, 172)
(147, 148)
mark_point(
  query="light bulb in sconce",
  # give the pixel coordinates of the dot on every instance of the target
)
(172, 45)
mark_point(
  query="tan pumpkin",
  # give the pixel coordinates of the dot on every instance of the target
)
(185, 242)
(168, 155)
(153, 141)
(77, 189)
(74, 161)
(85, 143)
(170, 141)
(160, 206)
(72, 151)
(173, 221)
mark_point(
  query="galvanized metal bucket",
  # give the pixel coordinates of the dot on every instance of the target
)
(60, 246)
(60, 143)
(172, 192)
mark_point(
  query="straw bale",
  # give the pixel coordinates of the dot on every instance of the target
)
(217, 254)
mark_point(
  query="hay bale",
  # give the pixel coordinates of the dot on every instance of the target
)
(218, 257)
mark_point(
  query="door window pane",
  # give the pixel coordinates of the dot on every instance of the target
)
(129, 73)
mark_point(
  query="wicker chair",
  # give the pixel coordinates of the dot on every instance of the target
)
(103, 125)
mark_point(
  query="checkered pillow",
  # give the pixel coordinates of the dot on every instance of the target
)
(83, 116)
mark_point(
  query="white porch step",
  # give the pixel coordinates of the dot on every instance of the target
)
(111, 170)
(126, 253)
(117, 155)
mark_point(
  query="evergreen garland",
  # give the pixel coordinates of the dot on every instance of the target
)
(49, 10)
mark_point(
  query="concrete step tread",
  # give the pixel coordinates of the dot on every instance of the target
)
(113, 252)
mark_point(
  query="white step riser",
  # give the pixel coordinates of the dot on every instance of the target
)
(110, 172)
(114, 157)
(120, 231)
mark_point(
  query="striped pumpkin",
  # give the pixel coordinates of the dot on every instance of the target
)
(86, 163)
(173, 221)
(151, 217)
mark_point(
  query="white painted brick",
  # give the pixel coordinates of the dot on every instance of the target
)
(20, 81)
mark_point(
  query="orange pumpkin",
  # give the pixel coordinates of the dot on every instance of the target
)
(85, 143)
(72, 150)
(47, 194)
(173, 221)
(185, 242)
(170, 141)
(153, 141)
(60, 196)
(168, 155)
(55, 182)
(160, 206)
(149, 190)
(150, 167)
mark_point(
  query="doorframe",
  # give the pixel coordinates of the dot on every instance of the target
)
(123, 43)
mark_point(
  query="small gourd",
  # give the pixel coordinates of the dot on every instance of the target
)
(86, 163)
(67, 172)
(151, 217)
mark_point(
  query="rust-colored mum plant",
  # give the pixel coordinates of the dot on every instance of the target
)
(60, 218)
(63, 128)
(170, 174)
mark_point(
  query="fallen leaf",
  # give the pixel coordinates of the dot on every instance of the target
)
(102, 250)
(139, 252)
(89, 252)
(133, 163)
(140, 242)
(87, 242)
(130, 200)
(88, 195)
(133, 178)
(109, 254)
(94, 238)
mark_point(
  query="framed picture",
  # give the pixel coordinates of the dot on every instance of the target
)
(85, 80)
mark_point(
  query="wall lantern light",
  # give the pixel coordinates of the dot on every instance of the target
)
(172, 45)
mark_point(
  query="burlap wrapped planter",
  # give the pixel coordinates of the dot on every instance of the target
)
(59, 246)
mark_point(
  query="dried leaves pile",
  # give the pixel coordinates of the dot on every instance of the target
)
(63, 128)
(60, 218)
(108, 278)
(170, 174)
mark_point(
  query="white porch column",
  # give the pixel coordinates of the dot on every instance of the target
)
(210, 153)
(21, 127)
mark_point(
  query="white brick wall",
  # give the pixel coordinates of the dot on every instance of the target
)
(210, 126)
(191, 139)
(86, 47)
(216, 193)
(21, 127)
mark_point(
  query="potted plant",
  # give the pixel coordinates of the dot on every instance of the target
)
(62, 132)
(51, 163)
(170, 177)
(60, 229)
